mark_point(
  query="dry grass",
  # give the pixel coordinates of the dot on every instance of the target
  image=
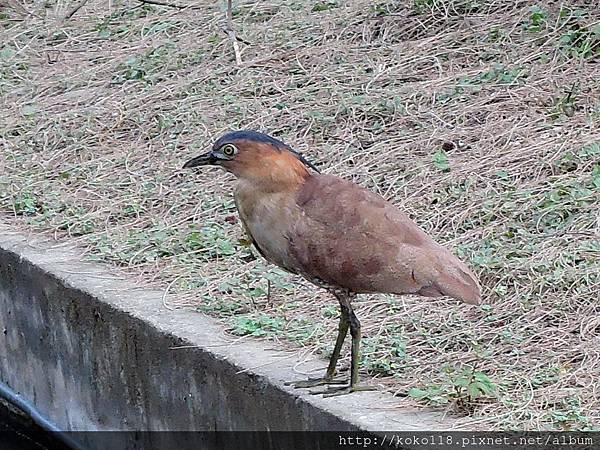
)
(479, 118)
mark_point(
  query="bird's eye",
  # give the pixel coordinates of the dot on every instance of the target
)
(229, 149)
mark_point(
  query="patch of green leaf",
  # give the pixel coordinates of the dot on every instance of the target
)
(423, 5)
(498, 74)
(590, 151)
(278, 278)
(380, 9)
(546, 376)
(454, 7)
(571, 161)
(496, 34)
(148, 67)
(113, 27)
(12, 68)
(212, 239)
(219, 306)
(158, 27)
(6, 52)
(581, 41)
(463, 387)
(568, 415)
(330, 311)
(160, 241)
(26, 203)
(384, 354)
(560, 204)
(566, 105)
(29, 110)
(537, 20)
(325, 5)
(303, 331)
(257, 325)
(440, 161)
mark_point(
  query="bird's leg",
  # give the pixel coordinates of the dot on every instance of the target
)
(355, 358)
(328, 378)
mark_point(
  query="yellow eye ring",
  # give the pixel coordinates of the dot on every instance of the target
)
(229, 150)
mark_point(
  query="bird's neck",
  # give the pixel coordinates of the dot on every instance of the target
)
(280, 172)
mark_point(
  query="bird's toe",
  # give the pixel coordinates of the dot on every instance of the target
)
(334, 391)
(313, 382)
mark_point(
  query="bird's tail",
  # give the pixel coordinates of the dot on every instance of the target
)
(460, 283)
(455, 280)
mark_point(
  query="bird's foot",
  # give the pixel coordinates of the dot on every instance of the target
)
(312, 382)
(334, 391)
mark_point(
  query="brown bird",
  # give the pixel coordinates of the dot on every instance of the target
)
(334, 233)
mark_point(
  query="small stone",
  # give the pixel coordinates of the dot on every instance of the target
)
(447, 146)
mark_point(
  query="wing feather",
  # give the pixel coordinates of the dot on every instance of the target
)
(354, 238)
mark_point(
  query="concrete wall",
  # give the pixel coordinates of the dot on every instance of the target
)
(93, 351)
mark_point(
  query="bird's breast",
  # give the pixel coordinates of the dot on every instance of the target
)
(269, 219)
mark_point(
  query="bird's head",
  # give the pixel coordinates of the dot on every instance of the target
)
(256, 157)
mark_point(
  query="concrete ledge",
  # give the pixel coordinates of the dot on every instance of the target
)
(94, 352)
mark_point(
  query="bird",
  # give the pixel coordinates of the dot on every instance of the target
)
(334, 233)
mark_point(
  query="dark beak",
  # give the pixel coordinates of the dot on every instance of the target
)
(202, 160)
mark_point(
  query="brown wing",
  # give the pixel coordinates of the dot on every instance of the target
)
(353, 238)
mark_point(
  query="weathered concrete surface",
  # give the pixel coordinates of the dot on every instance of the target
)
(94, 351)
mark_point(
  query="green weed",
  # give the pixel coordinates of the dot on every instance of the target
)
(325, 5)
(463, 387)
(455, 7)
(569, 415)
(148, 68)
(220, 307)
(26, 203)
(12, 68)
(581, 41)
(159, 27)
(384, 354)
(498, 75)
(303, 331)
(257, 325)
(546, 376)
(496, 34)
(159, 241)
(537, 20)
(440, 161)
(565, 106)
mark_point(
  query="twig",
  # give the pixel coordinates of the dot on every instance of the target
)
(168, 5)
(231, 33)
(239, 39)
(268, 292)
(76, 8)
(166, 292)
